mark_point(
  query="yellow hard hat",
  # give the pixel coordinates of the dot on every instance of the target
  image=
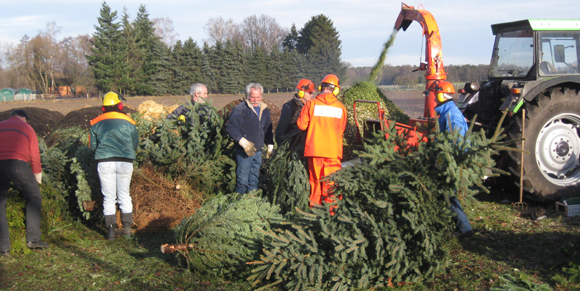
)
(112, 98)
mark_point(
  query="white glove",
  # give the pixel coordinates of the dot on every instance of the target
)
(248, 146)
(38, 177)
(270, 151)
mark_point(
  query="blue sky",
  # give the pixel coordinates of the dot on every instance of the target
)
(363, 25)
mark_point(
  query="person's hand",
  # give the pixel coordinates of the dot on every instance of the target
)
(270, 151)
(248, 146)
(38, 177)
(181, 118)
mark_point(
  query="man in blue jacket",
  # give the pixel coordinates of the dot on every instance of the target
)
(250, 126)
(451, 119)
(114, 139)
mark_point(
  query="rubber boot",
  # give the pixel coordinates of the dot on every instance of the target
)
(110, 222)
(127, 219)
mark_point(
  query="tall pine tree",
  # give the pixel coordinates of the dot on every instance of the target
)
(146, 41)
(163, 76)
(290, 42)
(207, 70)
(132, 59)
(320, 42)
(186, 66)
(106, 58)
(258, 70)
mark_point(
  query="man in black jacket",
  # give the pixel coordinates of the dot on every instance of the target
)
(198, 92)
(291, 111)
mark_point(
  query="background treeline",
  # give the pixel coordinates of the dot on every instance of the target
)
(144, 57)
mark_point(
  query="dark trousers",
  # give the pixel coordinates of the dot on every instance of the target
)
(18, 174)
(247, 171)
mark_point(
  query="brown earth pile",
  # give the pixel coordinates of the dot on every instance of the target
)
(82, 117)
(43, 121)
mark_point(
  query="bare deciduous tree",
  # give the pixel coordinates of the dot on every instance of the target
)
(73, 65)
(220, 30)
(164, 30)
(262, 32)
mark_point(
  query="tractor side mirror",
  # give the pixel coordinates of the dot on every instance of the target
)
(559, 55)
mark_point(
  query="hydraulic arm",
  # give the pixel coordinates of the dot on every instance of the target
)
(434, 69)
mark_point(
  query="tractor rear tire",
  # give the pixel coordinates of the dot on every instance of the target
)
(552, 138)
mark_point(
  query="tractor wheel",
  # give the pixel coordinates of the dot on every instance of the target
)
(552, 138)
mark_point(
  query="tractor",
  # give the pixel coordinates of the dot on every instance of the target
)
(534, 69)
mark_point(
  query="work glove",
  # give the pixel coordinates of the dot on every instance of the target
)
(248, 146)
(270, 151)
(38, 177)
(181, 118)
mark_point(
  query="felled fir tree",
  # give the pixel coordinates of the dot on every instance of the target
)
(392, 223)
(69, 166)
(226, 232)
(197, 150)
(284, 177)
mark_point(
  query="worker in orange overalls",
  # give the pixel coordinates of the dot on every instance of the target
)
(324, 119)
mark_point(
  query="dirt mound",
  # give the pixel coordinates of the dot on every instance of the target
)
(274, 111)
(83, 116)
(42, 120)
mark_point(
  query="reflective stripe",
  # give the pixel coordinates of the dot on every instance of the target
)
(327, 111)
(112, 115)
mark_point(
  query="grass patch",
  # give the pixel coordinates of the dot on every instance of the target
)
(508, 249)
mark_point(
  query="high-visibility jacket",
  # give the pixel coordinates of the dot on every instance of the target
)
(113, 137)
(324, 119)
(18, 141)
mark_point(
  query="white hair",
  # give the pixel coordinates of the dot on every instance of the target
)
(255, 86)
(196, 88)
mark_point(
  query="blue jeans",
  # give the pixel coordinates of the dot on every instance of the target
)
(248, 171)
(115, 182)
(18, 174)
(462, 224)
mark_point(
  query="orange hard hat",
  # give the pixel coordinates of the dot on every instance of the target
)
(331, 79)
(305, 85)
(442, 87)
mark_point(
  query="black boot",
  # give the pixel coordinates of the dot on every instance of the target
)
(110, 222)
(127, 219)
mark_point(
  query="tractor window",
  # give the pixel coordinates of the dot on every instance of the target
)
(513, 54)
(558, 53)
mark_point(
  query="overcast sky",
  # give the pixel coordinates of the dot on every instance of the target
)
(363, 25)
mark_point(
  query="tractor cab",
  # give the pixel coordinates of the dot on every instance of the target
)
(531, 49)
(528, 57)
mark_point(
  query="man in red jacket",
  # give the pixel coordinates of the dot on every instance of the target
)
(20, 167)
(324, 119)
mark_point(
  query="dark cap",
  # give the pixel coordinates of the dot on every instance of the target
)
(19, 112)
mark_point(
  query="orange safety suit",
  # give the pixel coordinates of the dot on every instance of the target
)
(324, 119)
